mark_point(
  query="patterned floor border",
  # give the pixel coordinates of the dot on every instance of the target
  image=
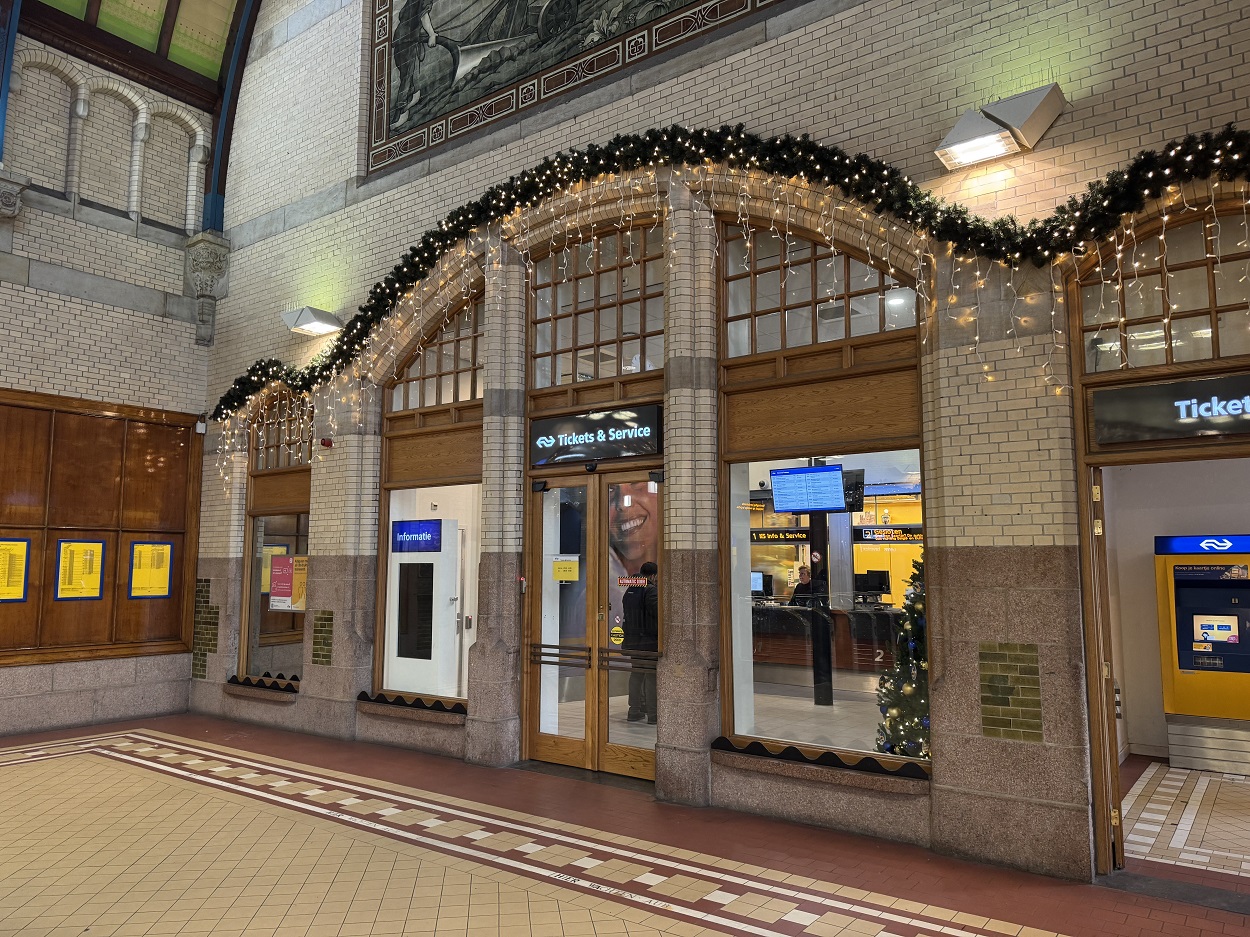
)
(1161, 812)
(699, 888)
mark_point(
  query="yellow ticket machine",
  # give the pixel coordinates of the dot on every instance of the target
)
(1203, 587)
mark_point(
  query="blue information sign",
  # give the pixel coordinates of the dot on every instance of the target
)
(1214, 544)
(417, 536)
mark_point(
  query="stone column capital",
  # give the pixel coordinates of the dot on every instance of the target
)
(207, 256)
(11, 188)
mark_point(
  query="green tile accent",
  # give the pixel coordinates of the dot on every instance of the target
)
(204, 638)
(1011, 692)
(323, 638)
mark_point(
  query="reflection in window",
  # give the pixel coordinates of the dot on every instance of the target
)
(276, 634)
(431, 589)
(598, 308)
(1160, 299)
(818, 596)
(787, 292)
(448, 369)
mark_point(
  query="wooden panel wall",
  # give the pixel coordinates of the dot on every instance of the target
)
(838, 414)
(80, 470)
(433, 457)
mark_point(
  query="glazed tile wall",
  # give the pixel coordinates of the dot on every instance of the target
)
(34, 144)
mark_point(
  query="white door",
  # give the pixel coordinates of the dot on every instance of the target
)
(424, 618)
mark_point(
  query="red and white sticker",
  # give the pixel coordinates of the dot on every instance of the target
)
(627, 581)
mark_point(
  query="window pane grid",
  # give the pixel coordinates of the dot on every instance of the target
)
(791, 292)
(448, 369)
(597, 309)
(1182, 296)
(282, 431)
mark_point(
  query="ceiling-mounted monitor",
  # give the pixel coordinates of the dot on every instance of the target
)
(812, 488)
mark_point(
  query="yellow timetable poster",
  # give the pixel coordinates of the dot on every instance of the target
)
(80, 569)
(14, 557)
(150, 570)
(267, 552)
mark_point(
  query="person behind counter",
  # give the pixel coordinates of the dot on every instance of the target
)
(642, 633)
(802, 594)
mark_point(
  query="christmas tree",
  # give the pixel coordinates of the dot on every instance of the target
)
(903, 691)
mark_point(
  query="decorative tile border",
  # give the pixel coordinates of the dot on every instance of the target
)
(323, 638)
(701, 889)
(1011, 694)
(204, 637)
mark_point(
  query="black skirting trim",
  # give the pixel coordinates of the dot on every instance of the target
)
(433, 705)
(867, 763)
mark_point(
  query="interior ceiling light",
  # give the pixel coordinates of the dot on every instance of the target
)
(308, 320)
(1001, 128)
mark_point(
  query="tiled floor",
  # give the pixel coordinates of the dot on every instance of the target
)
(188, 825)
(1188, 819)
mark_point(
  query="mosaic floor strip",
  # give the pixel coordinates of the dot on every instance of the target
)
(625, 880)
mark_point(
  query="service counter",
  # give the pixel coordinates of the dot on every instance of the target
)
(858, 639)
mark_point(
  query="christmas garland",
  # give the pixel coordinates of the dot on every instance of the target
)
(868, 181)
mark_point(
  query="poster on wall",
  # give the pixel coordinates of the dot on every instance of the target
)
(288, 584)
(441, 69)
(14, 563)
(151, 565)
(267, 552)
(80, 570)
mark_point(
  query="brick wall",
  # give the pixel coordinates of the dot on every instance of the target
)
(57, 345)
(78, 245)
(106, 147)
(165, 173)
(36, 132)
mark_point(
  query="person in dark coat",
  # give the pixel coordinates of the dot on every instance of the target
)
(802, 594)
(641, 625)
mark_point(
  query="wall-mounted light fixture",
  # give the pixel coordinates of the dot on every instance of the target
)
(310, 321)
(1001, 128)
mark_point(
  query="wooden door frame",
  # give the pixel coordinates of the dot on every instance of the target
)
(594, 751)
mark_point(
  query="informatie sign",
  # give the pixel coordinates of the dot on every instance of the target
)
(288, 584)
(417, 536)
(80, 570)
(14, 563)
(1216, 406)
(588, 437)
(151, 565)
(565, 568)
(267, 553)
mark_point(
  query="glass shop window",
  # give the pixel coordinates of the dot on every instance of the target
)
(431, 589)
(448, 368)
(787, 292)
(1162, 298)
(827, 602)
(597, 308)
(279, 581)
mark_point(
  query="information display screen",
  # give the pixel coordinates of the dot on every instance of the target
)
(802, 490)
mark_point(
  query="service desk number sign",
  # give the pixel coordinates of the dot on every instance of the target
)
(14, 562)
(150, 569)
(80, 570)
(288, 583)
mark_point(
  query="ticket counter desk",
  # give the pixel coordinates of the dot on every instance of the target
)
(821, 640)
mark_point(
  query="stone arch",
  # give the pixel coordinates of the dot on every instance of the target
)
(190, 172)
(100, 135)
(40, 121)
(760, 198)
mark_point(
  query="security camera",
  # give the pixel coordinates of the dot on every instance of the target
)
(592, 466)
(763, 484)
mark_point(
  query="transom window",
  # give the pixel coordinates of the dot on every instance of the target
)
(449, 368)
(1181, 295)
(787, 292)
(598, 308)
(282, 431)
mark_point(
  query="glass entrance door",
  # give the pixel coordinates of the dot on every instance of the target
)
(594, 623)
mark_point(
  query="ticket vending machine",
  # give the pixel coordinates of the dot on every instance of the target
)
(1203, 588)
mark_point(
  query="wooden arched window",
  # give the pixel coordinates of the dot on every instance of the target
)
(448, 368)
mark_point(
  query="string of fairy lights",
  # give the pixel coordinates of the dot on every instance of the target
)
(785, 183)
